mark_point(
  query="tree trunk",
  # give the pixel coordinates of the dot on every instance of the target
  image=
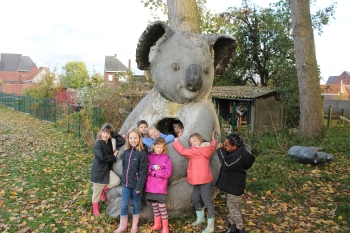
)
(311, 107)
(183, 15)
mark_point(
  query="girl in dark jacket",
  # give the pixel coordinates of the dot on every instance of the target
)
(232, 178)
(102, 176)
(134, 161)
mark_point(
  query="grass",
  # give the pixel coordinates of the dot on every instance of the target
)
(44, 184)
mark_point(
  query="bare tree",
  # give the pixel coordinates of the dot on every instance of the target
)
(311, 107)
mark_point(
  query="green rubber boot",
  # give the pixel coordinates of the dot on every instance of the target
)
(200, 218)
(210, 226)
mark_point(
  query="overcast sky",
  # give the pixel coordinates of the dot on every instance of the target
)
(54, 32)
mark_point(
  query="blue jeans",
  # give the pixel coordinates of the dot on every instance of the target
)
(128, 193)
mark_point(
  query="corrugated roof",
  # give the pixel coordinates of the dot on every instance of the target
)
(244, 92)
(113, 64)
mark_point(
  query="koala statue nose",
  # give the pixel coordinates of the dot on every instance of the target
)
(194, 77)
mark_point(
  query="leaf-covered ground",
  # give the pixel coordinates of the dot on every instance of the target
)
(44, 185)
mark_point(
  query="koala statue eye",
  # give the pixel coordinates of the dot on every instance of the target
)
(206, 70)
(175, 66)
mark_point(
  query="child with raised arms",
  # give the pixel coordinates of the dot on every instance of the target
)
(199, 175)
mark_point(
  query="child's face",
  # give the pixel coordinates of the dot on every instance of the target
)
(177, 128)
(194, 141)
(153, 133)
(134, 139)
(158, 148)
(143, 128)
(105, 135)
(229, 148)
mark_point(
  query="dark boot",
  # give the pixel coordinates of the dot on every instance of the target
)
(231, 229)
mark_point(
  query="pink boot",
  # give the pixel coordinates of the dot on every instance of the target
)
(157, 223)
(103, 194)
(95, 209)
(165, 226)
(135, 223)
(123, 224)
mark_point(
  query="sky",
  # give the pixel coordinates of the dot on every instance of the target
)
(55, 32)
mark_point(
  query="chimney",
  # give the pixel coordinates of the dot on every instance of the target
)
(115, 55)
(341, 86)
(129, 64)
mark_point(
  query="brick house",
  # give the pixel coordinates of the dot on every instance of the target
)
(17, 72)
(115, 71)
(337, 87)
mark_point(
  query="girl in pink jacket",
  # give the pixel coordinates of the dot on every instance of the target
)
(156, 189)
(199, 175)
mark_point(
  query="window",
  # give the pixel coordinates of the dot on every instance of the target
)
(110, 77)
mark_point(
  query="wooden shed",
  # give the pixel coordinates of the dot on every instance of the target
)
(256, 107)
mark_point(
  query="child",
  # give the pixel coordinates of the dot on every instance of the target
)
(159, 171)
(154, 133)
(142, 125)
(232, 178)
(134, 161)
(102, 176)
(178, 128)
(200, 176)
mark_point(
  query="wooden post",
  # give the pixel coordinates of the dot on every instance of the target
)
(329, 117)
(343, 112)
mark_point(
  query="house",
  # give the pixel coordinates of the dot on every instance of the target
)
(258, 107)
(337, 87)
(115, 71)
(17, 72)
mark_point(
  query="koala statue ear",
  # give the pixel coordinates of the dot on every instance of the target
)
(149, 38)
(223, 49)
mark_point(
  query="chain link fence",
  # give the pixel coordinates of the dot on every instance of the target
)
(49, 110)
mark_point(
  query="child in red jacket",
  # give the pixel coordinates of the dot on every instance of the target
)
(199, 175)
(156, 189)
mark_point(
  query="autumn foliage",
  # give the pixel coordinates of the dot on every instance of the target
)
(44, 184)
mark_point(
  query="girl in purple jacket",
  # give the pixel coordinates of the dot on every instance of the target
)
(156, 189)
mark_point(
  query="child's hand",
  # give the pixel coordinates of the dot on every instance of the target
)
(156, 167)
(176, 139)
(115, 153)
(123, 135)
(219, 145)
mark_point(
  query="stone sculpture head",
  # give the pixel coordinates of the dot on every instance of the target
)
(182, 63)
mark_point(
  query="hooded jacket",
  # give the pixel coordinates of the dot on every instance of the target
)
(232, 176)
(198, 171)
(157, 180)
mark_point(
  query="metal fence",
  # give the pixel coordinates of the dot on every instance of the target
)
(49, 110)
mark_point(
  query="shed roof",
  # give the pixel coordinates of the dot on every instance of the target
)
(244, 92)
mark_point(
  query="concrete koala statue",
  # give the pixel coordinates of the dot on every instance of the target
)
(182, 65)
